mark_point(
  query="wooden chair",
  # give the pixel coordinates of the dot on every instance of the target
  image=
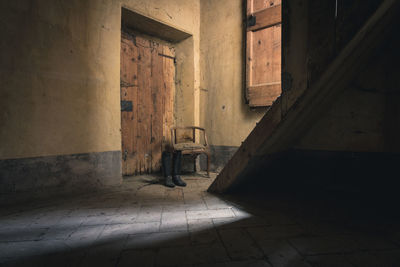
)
(189, 144)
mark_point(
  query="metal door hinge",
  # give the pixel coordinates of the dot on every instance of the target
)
(251, 20)
(126, 105)
(125, 154)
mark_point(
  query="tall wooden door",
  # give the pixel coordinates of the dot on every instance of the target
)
(147, 97)
(263, 52)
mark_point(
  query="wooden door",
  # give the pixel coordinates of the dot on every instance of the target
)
(147, 97)
(263, 52)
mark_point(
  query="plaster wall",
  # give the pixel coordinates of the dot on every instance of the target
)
(224, 113)
(59, 73)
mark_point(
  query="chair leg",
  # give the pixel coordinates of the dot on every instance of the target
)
(208, 164)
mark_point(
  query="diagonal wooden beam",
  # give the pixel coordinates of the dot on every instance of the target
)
(274, 134)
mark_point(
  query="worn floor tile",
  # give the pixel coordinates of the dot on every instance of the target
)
(202, 231)
(117, 231)
(206, 214)
(140, 223)
(173, 221)
(324, 244)
(188, 255)
(239, 244)
(328, 261)
(157, 240)
(281, 254)
(59, 233)
(12, 234)
(104, 253)
(249, 263)
(84, 236)
(149, 213)
(142, 258)
(275, 232)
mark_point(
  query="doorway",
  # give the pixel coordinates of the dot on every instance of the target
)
(147, 101)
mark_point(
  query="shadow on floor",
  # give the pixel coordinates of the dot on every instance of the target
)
(277, 226)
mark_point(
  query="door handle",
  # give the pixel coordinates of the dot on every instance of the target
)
(125, 154)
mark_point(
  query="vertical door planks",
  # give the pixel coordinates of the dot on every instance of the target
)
(147, 80)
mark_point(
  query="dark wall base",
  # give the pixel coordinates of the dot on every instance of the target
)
(370, 173)
(79, 171)
(220, 155)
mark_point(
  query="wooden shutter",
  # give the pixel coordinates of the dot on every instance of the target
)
(263, 52)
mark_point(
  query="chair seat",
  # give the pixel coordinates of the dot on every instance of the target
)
(189, 146)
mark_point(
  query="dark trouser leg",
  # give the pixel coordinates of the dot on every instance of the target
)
(177, 163)
(177, 169)
(166, 160)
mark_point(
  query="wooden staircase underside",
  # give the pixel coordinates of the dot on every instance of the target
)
(277, 132)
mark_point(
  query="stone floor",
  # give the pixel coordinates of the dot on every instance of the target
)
(143, 223)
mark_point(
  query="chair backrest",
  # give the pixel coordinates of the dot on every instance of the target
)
(189, 135)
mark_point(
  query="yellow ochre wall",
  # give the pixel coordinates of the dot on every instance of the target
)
(60, 73)
(224, 112)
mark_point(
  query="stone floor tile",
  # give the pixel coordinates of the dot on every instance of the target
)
(184, 207)
(278, 218)
(199, 225)
(322, 227)
(97, 220)
(84, 235)
(206, 214)
(122, 218)
(103, 253)
(281, 254)
(324, 244)
(206, 236)
(142, 258)
(118, 231)
(149, 213)
(175, 194)
(214, 202)
(373, 242)
(250, 263)
(70, 221)
(29, 249)
(228, 222)
(328, 261)
(13, 234)
(49, 219)
(275, 232)
(189, 255)
(242, 213)
(363, 259)
(131, 208)
(93, 212)
(59, 233)
(240, 222)
(157, 240)
(151, 192)
(184, 227)
(193, 197)
(15, 221)
(173, 221)
(390, 258)
(239, 244)
(202, 231)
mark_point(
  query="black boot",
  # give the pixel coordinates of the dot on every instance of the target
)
(166, 166)
(177, 169)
